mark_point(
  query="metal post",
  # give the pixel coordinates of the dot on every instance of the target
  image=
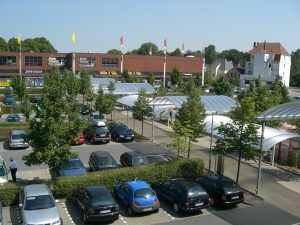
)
(127, 117)
(273, 156)
(121, 62)
(203, 67)
(210, 146)
(165, 61)
(260, 157)
(73, 63)
(153, 124)
(20, 61)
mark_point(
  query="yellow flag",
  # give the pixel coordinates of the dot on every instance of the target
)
(19, 39)
(73, 37)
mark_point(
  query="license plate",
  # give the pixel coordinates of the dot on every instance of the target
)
(147, 209)
(128, 137)
(105, 211)
(234, 197)
(102, 135)
(199, 204)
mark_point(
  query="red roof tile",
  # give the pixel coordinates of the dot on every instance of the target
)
(269, 48)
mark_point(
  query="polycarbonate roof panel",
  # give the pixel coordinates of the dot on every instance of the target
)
(102, 81)
(128, 100)
(272, 136)
(218, 104)
(132, 88)
(281, 112)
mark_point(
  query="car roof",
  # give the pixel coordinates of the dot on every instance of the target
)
(134, 153)
(137, 184)
(184, 182)
(36, 190)
(99, 123)
(13, 115)
(18, 132)
(95, 190)
(101, 154)
(75, 159)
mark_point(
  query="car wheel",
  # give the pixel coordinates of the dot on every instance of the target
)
(107, 142)
(117, 139)
(92, 142)
(130, 212)
(85, 218)
(175, 207)
(156, 210)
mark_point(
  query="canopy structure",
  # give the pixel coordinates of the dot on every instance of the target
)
(102, 82)
(217, 104)
(127, 100)
(132, 88)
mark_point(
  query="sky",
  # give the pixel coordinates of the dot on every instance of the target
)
(99, 24)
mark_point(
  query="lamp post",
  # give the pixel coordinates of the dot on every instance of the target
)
(260, 157)
(210, 146)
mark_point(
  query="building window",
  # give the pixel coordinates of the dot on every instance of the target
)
(8, 61)
(110, 62)
(33, 61)
(87, 62)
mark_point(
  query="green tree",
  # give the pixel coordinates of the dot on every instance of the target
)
(47, 134)
(178, 144)
(189, 121)
(13, 45)
(176, 52)
(111, 88)
(295, 69)
(238, 58)
(280, 93)
(85, 84)
(175, 77)
(189, 87)
(19, 87)
(105, 104)
(210, 54)
(161, 91)
(222, 87)
(151, 79)
(241, 134)
(114, 52)
(144, 49)
(3, 45)
(26, 108)
(141, 107)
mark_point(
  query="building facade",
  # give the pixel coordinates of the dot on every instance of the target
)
(36, 65)
(266, 61)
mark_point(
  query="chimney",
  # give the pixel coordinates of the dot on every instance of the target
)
(265, 45)
(254, 44)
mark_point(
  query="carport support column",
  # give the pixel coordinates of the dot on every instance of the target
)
(260, 157)
(127, 117)
(273, 156)
(210, 146)
(153, 124)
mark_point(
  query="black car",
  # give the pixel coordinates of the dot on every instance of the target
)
(223, 190)
(36, 99)
(97, 204)
(84, 109)
(120, 132)
(157, 158)
(97, 132)
(13, 118)
(133, 158)
(186, 195)
(102, 160)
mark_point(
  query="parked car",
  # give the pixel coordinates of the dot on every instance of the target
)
(16, 139)
(137, 196)
(73, 167)
(185, 195)
(158, 158)
(36, 99)
(13, 118)
(9, 94)
(37, 205)
(3, 172)
(1, 214)
(97, 204)
(98, 132)
(101, 160)
(120, 132)
(95, 116)
(10, 101)
(78, 139)
(84, 109)
(223, 190)
(133, 158)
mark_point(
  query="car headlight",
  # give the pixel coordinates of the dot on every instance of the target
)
(132, 135)
(121, 135)
(56, 222)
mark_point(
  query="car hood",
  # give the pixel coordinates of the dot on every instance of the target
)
(73, 172)
(41, 216)
(125, 133)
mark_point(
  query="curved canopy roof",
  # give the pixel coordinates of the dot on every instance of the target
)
(281, 112)
(217, 104)
(132, 88)
(272, 136)
(128, 100)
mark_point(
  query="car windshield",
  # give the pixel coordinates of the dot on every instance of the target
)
(39, 202)
(101, 130)
(106, 162)
(103, 199)
(2, 172)
(12, 119)
(73, 164)
(17, 136)
(156, 158)
(195, 192)
(139, 160)
(144, 193)
(122, 128)
(98, 116)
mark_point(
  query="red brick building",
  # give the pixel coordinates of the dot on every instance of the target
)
(36, 65)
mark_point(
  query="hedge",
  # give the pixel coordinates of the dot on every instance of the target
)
(30, 90)
(64, 187)
(9, 194)
(6, 127)
(8, 109)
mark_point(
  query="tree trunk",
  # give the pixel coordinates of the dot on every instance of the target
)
(142, 127)
(239, 165)
(111, 115)
(189, 149)
(83, 99)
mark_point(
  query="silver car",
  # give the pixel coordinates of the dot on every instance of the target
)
(16, 139)
(37, 206)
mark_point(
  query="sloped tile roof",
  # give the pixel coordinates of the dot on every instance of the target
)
(269, 48)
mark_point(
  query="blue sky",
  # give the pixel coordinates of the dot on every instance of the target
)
(98, 24)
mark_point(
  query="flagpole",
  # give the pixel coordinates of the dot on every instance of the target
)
(20, 55)
(165, 61)
(203, 67)
(121, 44)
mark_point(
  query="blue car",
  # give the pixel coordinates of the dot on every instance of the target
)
(137, 196)
(73, 167)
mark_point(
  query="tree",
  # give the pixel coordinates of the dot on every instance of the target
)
(222, 87)
(47, 134)
(189, 121)
(161, 91)
(85, 84)
(176, 52)
(240, 135)
(295, 69)
(210, 54)
(39, 44)
(141, 107)
(19, 87)
(238, 58)
(144, 49)
(26, 108)
(151, 79)
(189, 87)
(105, 103)
(111, 88)
(13, 45)
(176, 77)
(178, 144)
(3, 45)
(114, 52)
(280, 92)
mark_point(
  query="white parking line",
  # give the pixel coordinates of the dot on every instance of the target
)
(173, 218)
(67, 212)
(123, 220)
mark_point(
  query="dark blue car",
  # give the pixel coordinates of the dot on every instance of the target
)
(137, 196)
(73, 167)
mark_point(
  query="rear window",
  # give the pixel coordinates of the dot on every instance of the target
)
(17, 136)
(139, 160)
(2, 172)
(101, 130)
(103, 199)
(39, 202)
(195, 192)
(73, 164)
(106, 161)
(98, 117)
(144, 193)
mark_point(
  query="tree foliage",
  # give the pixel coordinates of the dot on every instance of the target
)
(176, 52)
(151, 79)
(175, 77)
(295, 69)
(19, 87)
(114, 52)
(210, 54)
(3, 45)
(47, 134)
(85, 84)
(222, 87)
(105, 103)
(39, 44)
(241, 134)
(237, 57)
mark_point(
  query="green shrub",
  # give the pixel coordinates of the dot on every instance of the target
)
(9, 194)
(65, 186)
(8, 109)
(2, 98)
(4, 90)
(6, 127)
(35, 90)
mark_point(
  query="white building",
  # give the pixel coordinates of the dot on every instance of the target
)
(266, 61)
